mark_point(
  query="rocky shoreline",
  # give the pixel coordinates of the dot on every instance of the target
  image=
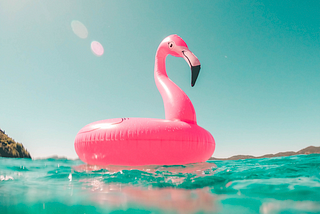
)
(10, 148)
(306, 151)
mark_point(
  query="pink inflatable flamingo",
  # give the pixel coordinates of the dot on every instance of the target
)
(176, 140)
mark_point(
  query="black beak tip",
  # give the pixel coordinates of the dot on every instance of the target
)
(194, 74)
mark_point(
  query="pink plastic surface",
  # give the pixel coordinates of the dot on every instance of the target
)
(145, 141)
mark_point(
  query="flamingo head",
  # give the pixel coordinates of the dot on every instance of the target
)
(175, 46)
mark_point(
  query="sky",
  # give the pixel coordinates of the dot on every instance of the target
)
(258, 91)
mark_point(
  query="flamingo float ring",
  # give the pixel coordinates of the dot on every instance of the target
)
(176, 140)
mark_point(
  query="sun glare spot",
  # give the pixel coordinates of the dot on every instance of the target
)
(79, 29)
(97, 48)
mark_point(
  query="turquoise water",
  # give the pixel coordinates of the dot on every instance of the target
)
(276, 185)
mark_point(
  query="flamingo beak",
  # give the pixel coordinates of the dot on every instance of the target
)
(194, 74)
(194, 64)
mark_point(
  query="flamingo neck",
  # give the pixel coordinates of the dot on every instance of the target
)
(177, 104)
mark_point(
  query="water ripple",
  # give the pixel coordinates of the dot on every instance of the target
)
(276, 185)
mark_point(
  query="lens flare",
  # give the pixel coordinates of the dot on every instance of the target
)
(97, 48)
(79, 29)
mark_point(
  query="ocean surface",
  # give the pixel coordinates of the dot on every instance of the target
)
(275, 185)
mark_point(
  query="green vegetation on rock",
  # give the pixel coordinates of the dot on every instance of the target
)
(10, 148)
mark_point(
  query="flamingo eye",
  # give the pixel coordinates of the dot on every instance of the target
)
(170, 44)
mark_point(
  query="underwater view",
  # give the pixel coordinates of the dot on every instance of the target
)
(268, 185)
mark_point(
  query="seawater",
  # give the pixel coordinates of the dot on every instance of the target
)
(275, 185)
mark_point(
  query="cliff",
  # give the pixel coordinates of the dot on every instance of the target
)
(10, 148)
(305, 151)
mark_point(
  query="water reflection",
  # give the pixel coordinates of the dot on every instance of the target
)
(199, 169)
(150, 187)
(120, 196)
